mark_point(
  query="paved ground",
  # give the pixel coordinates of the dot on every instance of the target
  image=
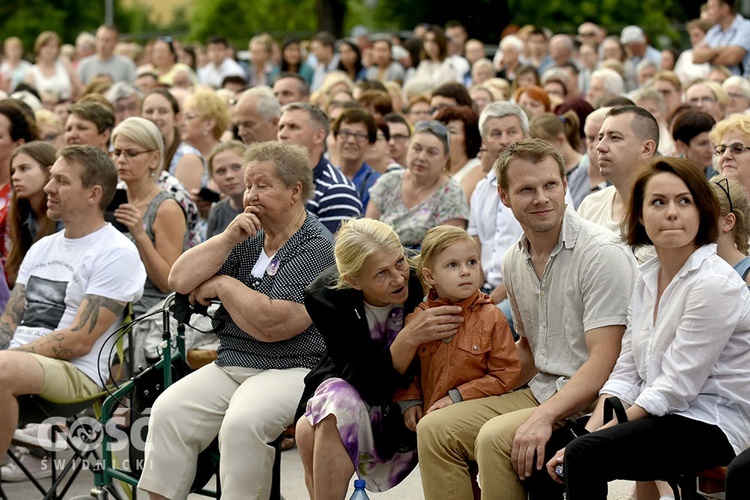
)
(292, 485)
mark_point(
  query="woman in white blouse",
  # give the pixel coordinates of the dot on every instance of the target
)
(685, 363)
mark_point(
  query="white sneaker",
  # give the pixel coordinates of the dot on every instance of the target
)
(40, 436)
(38, 467)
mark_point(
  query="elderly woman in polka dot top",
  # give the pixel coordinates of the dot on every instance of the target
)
(258, 268)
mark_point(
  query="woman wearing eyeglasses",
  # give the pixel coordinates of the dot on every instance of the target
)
(423, 196)
(731, 140)
(683, 370)
(155, 222)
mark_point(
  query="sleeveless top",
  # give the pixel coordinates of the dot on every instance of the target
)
(58, 83)
(743, 267)
(151, 293)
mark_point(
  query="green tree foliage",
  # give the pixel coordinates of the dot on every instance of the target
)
(239, 20)
(27, 18)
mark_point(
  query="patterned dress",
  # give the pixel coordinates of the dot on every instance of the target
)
(411, 224)
(358, 423)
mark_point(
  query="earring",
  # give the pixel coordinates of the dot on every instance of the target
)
(153, 173)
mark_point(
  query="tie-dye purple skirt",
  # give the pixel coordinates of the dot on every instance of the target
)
(359, 428)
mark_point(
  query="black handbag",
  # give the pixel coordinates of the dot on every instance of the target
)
(540, 486)
(394, 437)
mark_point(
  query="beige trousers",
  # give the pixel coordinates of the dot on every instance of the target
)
(247, 408)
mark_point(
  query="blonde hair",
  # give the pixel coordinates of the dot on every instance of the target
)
(436, 241)
(735, 123)
(142, 132)
(210, 106)
(44, 38)
(358, 240)
(726, 189)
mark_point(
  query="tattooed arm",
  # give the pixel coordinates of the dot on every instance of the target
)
(94, 317)
(12, 315)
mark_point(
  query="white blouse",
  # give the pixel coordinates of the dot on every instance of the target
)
(694, 360)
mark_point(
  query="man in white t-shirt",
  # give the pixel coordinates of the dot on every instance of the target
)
(70, 293)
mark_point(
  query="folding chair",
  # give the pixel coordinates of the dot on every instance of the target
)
(38, 409)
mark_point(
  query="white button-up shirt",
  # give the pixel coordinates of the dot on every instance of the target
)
(694, 360)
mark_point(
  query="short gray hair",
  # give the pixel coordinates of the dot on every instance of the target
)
(742, 83)
(513, 42)
(122, 90)
(613, 82)
(502, 109)
(267, 105)
(291, 164)
(317, 115)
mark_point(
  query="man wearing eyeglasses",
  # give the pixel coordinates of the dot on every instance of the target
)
(705, 96)
(355, 131)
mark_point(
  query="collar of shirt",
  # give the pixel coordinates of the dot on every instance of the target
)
(571, 227)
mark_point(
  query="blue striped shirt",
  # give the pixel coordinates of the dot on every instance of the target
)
(335, 198)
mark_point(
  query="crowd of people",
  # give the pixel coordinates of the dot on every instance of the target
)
(423, 255)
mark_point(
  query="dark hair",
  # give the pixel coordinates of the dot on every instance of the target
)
(380, 101)
(414, 47)
(644, 125)
(440, 41)
(634, 232)
(383, 127)
(527, 68)
(325, 38)
(286, 42)
(537, 30)
(304, 87)
(454, 91)
(97, 169)
(548, 125)
(472, 138)
(95, 112)
(20, 210)
(217, 40)
(532, 150)
(357, 115)
(580, 107)
(22, 124)
(171, 149)
(397, 118)
(688, 124)
(618, 100)
(352, 44)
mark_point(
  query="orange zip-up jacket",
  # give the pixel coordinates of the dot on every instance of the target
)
(479, 360)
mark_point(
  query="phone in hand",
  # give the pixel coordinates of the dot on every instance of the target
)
(209, 195)
(120, 198)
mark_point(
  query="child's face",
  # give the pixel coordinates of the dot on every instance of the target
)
(456, 272)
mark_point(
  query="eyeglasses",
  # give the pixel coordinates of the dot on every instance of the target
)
(705, 100)
(129, 154)
(733, 95)
(439, 107)
(358, 136)
(399, 137)
(725, 188)
(735, 148)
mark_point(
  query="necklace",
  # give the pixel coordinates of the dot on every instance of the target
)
(144, 197)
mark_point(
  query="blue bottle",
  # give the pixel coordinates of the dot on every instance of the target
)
(359, 490)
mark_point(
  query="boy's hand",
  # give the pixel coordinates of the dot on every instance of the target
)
(412, 416)
(440, 403)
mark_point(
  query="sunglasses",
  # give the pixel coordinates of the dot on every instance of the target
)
(435, 128)
(725, 187)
